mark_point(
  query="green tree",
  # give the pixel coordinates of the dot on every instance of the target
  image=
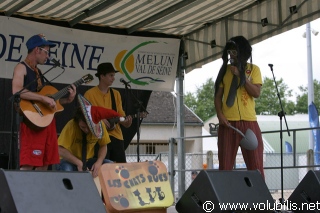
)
(202, 101)
(268, 102)
(302, 99)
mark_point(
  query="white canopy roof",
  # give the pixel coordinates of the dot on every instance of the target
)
(203, 25)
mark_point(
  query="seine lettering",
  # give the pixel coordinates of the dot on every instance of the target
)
(11, 50)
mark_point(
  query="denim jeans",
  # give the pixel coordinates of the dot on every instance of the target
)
(67, 166)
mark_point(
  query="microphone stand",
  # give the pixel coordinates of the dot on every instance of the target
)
(15, 100)
(280, 114)
(138, 105)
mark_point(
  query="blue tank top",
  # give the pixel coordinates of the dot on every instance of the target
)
(29, 77)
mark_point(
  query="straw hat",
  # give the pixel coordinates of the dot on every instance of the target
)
(94, 115)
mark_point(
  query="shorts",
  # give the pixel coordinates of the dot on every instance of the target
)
(39, 147)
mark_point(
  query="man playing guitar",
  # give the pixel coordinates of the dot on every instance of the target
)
(101, 95)
(38, 147)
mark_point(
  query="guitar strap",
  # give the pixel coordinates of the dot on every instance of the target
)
(114, 107)
(47, 81)
(84, 151)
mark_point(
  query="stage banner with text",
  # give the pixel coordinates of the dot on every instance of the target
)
(147, 63)
(135, 186)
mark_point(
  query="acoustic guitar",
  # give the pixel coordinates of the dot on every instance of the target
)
(114, 121)
(40, 114)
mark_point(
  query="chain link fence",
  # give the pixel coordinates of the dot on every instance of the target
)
(295, 166)
(283, 171)
(195, 162)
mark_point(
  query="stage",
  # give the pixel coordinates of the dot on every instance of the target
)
(144, 187)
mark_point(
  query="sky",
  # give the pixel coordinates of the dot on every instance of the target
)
(287, 52)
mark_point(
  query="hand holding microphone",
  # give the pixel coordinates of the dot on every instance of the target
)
(234, 68)
(233, 62)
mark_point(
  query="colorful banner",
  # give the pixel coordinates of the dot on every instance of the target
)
(314, 122)
(147, 63)
(135, 186)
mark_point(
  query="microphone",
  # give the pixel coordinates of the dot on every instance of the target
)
(233, 62)
(124, 82)
(270, 65)
(56, 63)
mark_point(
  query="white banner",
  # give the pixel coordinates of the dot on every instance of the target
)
(147, 63)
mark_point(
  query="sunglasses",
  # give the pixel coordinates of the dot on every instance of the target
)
(232, 52)
(44, 50)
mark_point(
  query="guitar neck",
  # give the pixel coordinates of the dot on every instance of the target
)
(117, 119)
(64, 91)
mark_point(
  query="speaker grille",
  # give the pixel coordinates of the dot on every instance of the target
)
(46, 191)
(226, 187)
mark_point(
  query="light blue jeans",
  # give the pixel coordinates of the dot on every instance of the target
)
(67, 166)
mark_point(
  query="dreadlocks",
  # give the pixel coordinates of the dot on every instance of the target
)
(244, 50)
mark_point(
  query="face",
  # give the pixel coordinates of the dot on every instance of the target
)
(232, 53)
(42, 54)
(84, 127)
(108, 78)
(231, 49)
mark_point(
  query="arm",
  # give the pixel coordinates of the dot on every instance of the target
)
(68, 156)
(17, 85)
(72, 93)
(128, 119)
(101, 155)
(218, 105)
(252, 89)
(127, 122)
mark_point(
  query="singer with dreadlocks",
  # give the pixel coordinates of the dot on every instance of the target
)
(236, 87)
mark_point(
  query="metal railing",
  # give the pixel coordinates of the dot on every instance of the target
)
(294, 166)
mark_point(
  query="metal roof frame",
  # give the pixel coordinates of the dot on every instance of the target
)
(203, 25)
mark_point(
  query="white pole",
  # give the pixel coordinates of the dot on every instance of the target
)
(310, 79)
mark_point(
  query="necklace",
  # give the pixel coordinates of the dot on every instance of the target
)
(36, 70)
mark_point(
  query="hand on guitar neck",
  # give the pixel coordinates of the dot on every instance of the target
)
(112, 122)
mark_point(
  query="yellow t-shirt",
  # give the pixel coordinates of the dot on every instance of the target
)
(244, 104)
(71, 139)
(97, 98)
